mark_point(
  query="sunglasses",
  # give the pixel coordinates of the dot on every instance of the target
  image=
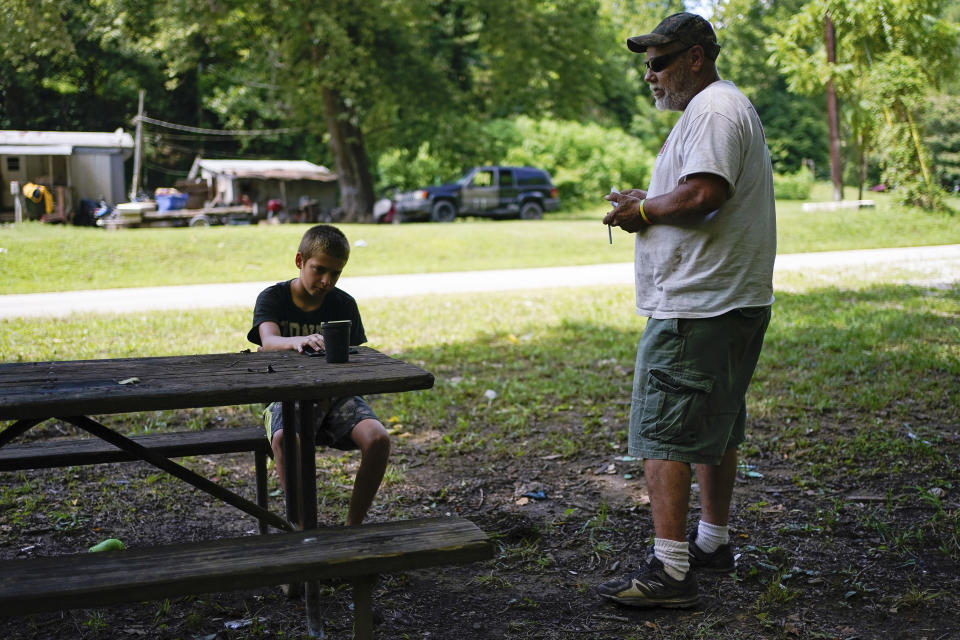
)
(660, 63)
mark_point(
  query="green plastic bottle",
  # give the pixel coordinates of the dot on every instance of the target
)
(110, 544)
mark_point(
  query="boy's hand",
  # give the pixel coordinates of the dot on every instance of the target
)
(313, 341)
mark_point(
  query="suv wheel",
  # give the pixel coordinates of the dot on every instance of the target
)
(443, 211)
(531, 211)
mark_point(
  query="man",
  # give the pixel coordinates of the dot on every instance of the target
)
(705, 246)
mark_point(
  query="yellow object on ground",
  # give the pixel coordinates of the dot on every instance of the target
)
(38, 192)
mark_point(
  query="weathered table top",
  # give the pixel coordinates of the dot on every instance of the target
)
(90, 387)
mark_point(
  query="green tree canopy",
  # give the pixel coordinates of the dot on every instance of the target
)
(901, 46)
(378, 75)
(424, 81)
(794, 125)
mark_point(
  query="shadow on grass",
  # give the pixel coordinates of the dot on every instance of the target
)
(852, 533)
(877, 369)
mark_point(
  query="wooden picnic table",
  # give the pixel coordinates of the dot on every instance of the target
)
(75, 390)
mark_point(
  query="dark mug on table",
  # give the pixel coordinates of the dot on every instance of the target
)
(336, 340)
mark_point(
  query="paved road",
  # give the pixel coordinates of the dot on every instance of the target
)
(943, 261)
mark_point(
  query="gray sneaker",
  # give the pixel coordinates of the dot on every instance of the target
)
(720, 561)
(651, 586)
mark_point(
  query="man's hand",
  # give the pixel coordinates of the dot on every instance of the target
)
(695, 197)
(626, 211)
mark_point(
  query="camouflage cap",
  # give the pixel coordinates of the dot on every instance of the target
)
(688, 28)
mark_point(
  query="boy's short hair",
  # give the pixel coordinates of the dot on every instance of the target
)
(324, 238)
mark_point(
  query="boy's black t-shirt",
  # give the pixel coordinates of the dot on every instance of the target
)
(275, 304)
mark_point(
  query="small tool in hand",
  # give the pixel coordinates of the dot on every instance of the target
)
(609, 228)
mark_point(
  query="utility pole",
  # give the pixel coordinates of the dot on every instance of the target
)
(836, 170)
(137, 149)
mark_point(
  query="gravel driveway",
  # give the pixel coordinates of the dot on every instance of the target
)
(929, 266)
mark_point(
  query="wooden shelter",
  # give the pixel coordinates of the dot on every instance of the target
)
(295, 183)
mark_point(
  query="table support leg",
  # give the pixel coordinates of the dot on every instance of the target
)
(363, 607)
(174, 469)
(308, 467)
(308, 507)
(291, 457)
(17, 429)
(311, 597)
(260, 462)
(291, 476)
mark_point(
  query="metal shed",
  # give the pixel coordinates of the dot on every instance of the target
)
(72, 164)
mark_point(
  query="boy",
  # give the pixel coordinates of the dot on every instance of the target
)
(288, 316)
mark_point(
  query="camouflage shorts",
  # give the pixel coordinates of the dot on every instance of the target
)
(334, 420)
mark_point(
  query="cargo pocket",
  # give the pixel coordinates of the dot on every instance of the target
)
(674, 406)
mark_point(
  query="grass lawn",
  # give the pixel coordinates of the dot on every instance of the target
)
(845, 514)
(877, 349)
(846, 502)
(37, 257)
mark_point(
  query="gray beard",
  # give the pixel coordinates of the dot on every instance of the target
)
(677, 99)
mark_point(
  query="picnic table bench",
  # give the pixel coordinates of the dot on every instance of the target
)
(72, 391)
(47, 454)
(360, 553)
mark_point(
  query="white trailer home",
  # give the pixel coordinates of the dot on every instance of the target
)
(71, 164)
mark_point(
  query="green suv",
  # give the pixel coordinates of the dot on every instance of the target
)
(494, 192)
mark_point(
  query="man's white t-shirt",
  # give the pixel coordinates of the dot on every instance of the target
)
(725, 261)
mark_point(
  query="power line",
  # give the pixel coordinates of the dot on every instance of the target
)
(210, 153)
(217, 132)
(165, 170)
(159, 134)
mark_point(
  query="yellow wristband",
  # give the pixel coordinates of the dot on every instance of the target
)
(642, 214)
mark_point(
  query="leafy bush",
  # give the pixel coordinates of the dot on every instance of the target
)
(793, 186)
(943, 139)
(585, 160)
(405, 170)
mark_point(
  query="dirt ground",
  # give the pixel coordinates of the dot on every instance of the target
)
(849, 557)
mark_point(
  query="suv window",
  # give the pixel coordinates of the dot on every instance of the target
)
(531, 178)
(482, 179)
(506, 178)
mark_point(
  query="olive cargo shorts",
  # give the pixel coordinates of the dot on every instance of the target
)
(690, 382)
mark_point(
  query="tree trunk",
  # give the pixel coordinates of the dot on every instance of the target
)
(346, 143)
(836, 170)
(918, 147)
(861, 165)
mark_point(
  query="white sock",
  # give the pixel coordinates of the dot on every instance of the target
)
(711, 537)
(674, 556)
